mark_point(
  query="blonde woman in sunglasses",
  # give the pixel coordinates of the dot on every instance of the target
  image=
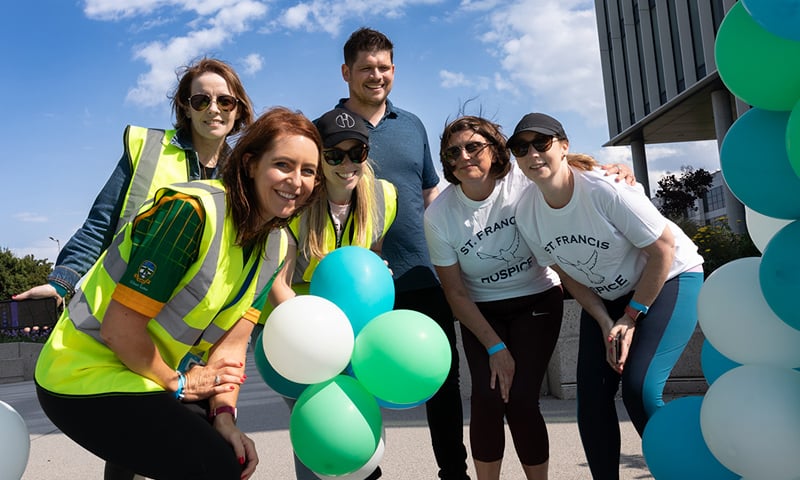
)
(352, 208)
(209, 104)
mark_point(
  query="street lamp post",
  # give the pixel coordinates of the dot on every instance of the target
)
(58, 245)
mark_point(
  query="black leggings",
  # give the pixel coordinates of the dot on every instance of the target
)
(151, 434)
(658, 341)
(529, 326)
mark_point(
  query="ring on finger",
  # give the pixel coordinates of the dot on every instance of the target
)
(217, 380)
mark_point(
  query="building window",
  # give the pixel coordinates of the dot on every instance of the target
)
(714, 199)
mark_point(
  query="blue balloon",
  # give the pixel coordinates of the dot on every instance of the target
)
(714, 363)
(673, 444)
(275, 380)
(779, 274)
(756, 166)
(357, 281)
(779, 17)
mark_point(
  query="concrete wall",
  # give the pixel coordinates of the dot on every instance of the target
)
(687, 376)
(18, 361)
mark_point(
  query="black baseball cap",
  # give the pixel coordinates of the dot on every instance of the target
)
(539, 123)
(338, 125)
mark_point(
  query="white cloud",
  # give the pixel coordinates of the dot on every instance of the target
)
(480, 5)
(549, 49)
(458, 80)
(29, 217)
(327, 16)
(117, 9)
(252, 63)
(222, 20)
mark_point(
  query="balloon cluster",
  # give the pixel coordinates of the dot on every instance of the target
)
(343, 353)
(747, 425)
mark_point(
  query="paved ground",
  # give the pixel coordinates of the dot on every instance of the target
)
(264, 415)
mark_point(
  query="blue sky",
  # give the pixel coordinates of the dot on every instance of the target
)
(77, 72)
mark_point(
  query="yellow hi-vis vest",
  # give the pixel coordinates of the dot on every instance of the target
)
(385, 195)
(213, 295)
(155, 163)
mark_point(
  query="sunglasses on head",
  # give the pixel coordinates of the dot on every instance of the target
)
(451, 154)
(335, 156)
(201, 101)
(540, 143)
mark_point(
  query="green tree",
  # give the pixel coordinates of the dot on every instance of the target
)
(678, 193)
(20, 274)
(718, 244)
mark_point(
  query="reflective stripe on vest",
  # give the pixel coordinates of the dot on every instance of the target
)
(176, 317)
(185, 299)
(155, 162)
(277, 246)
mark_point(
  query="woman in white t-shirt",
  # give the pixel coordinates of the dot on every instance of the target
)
(635, 273)
(511, 306)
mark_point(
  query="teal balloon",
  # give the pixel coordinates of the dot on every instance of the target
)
(779, 274)
(673, 445)
(713, 363)
(275, 380)
(402, 357)
(335, 426)
(400, 406)
(793, 139)
(756, 65)
(356, 280)
(756, 167)
(780, 17)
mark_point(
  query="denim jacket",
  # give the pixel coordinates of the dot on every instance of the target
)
(93, 238)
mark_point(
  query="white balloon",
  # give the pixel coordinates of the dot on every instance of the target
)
(751, 421)
(308, 339)
(738, 322)
(762, 228)
(15, 443)
(367, 469)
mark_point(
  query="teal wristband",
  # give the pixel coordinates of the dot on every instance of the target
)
(181, 383)
(638, 306)
(496, 348)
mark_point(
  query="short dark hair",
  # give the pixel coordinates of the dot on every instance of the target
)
(488, 130)
(366, 40)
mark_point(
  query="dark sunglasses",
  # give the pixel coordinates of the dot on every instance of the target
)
(201, 101)
(541, 144)
(451, 154)
(335, 156)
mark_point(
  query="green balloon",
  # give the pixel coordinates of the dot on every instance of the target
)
(335, 426)
(402, 357)
(793, 138)
(759, 67)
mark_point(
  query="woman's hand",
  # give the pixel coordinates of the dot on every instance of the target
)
(622, 171)
(39, 291)
(502, 367)
(618, 342)
(243, 446)
(218, 377)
